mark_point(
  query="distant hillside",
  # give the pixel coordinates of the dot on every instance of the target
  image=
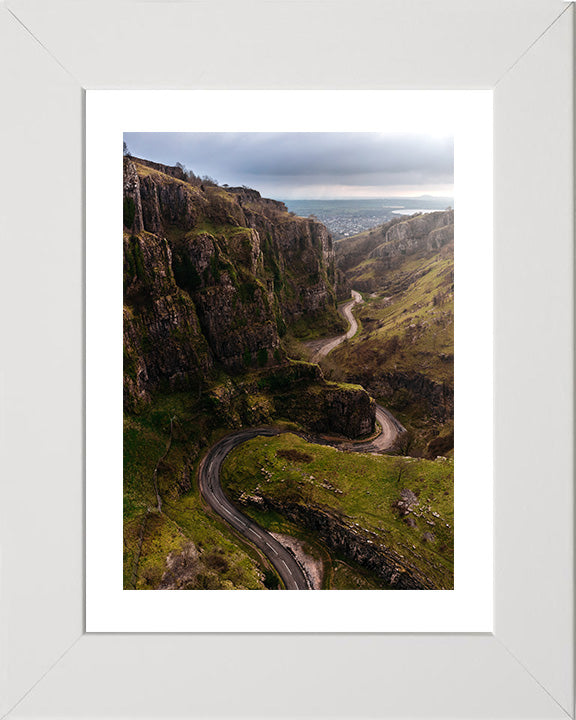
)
(404, 352)
(366, 258)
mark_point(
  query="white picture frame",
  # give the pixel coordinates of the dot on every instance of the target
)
(53, 52)
(468, 117)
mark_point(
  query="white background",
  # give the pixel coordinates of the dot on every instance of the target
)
(466, 608)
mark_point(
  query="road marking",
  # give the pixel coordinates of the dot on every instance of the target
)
(272, 548)
(287, 568)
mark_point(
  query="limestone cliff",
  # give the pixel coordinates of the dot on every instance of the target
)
(164, 346)
(349, 540)
(296, 391)
(212, 278)
(366, 258)
(426, 232)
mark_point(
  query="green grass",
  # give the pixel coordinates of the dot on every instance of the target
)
(142, 448)
(145, 170)
(410, 330)
(346, 576)
(183, 519)
(403, 352)
(206, 227)
(311, 327)
(360, 488)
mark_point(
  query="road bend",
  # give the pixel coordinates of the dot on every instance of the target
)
(390, 427)
(321, 348)
(286, 565)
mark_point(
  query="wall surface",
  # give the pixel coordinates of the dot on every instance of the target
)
(534, 360)
(51, 50)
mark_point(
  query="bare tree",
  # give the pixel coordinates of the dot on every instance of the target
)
(404, 443)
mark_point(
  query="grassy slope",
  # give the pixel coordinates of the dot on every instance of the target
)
(361, 488)
(405, 327)
(408, 325)
(183, 519)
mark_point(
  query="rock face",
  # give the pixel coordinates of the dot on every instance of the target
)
(350, 542)
(400, 389)
(163, 342)
(343, 287)
(366, 258)
(426, 232)
(212, 278)
(330, 408)
(295, 390)
(354, 250)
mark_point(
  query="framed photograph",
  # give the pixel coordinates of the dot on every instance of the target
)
(243, 348)
(84, 624)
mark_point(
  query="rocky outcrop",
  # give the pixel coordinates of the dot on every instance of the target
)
(360, 546)
(132, 199)
(402, 389)
(193, 568)
(247, 195)
(354, 250)
(323, 407)
(295, 390)
(171, 170)
(422, 233)
(343, 286)
(212, 278)
(348, 410)
(366, 258)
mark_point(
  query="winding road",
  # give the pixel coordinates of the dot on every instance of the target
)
(292, 574)
(321, 348)
(390, 427)
(282, 559)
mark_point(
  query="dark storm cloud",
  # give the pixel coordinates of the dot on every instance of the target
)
(283, 162)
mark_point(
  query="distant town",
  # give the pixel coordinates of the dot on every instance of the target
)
(345, 218)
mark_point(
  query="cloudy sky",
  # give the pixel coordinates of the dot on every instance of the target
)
(310, 165)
